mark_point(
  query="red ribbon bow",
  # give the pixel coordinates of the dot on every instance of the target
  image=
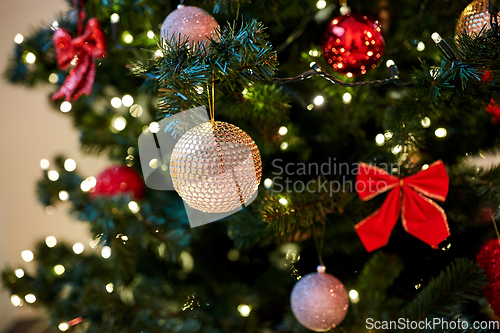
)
(86, 47)
(421, 217)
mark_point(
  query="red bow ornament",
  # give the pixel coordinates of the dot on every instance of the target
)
(421, 216)
(86, 47)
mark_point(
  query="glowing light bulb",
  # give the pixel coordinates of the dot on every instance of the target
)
(53, 78)
(44, 164)
(16, 300)
(426, 122)
(244, 310)
(284, 145)
(425, 166)
(318, 100)
(310, 107)
(116, 102)
(59, 269)
(441, 132)
(283, 201)
(114, 18)
(19, 39)
(420, 46)
(70, 165)
(30, 298)
(53, 175)
(150, 34)
(388, 135)
(78, 248)
(354, 296)
(120, 123)
(106, 252)
(283, 130)
(321, 4)
(158, 53)
(85, 186)
(127, 37)
(19, 273)
(110, 287)
(63, 327)
(154, 127)
(92, 181)
(63, 195)
(27, 255)
(268, 183)
(436, 37)
(51, 241)
(380, 139)
(389, 63)
(65, 107)
(30, 58)
(396, 149)
(347, 98)
(127, 100)
(133, 206)
(136, 110)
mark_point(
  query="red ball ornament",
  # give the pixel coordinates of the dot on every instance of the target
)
(489, 260)
(118, 180)
(353, 44)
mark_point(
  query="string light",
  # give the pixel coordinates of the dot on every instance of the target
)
(420, 46)
(127, 100)
(78, 248)
(85, 186)
(313, 53)
(92, 181)
(388, 135)
(244, 310)
(150, 34)
(321, 4)
(63, 327)
(133, 206)
(396, 149)
(426, 122)
(158, 53)
(19, 273)
(380, 139)
(53, 78)
(154, 127)
(51, 241)
(116, 102)
(30, 58)
(27, 255)
(389, 63)
(136, 110)
(110, 287)
(268, 183)
(106, 252)
(44, 164)
(114, 18)
(441, 132)
(19, 39)
(63, 195)
(119, 123)
(59, 269)
(318, 100)
(70, 165)
(65, 107)
(16, 300)
(310, 107)
(53, 175)
(283, 201)
(347, 98)
(425, 166)
(30, 298)
(284, 145)
(127, 37)
(354, 296)
(283, 130)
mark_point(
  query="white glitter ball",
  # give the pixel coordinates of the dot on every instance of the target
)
(319, 301)
(215, 168)
(191, 22)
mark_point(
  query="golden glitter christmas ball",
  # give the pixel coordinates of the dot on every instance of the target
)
(474, 18)
(215, 167)
(189, 22)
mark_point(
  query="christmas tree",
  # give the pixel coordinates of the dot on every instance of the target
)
(365, 122)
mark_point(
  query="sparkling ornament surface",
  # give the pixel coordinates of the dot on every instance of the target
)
(474, 17)
(489, 260)
(353, 44)
(189, 22)
(117, 180)
(319, 301)
(216, 167)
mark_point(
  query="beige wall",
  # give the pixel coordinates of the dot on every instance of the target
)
(30, 131)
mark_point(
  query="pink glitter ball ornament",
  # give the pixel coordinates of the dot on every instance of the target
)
(189, 22)
(319, 301)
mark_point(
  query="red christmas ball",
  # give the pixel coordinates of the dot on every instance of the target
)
(353, 44)
(489, 260)
(117, 180)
